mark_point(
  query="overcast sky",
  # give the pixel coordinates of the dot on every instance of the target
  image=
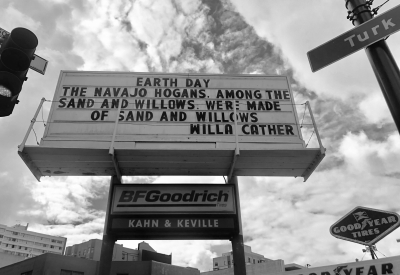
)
(283, 218)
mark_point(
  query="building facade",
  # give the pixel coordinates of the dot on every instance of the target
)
(91, 250)
(226, 260)
(17, 244)
(63, 265)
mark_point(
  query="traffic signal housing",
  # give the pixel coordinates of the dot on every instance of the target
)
(16, 54)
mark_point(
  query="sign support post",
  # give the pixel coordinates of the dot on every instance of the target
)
(239, 265)
(381, 59)
(109, 240)
(371, 249)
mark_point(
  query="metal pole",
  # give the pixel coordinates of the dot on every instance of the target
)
(109, 240)
(371, 249)
(381, 59)
(21, 147)
(239, 265)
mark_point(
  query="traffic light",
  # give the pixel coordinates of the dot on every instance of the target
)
(16, 54)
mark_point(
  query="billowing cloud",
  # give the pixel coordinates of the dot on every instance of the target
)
(283, 218)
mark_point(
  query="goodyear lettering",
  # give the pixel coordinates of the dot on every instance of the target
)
(364, 228)
(157, 196)
(383, 269)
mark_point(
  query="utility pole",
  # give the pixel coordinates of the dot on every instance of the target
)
(381, 59)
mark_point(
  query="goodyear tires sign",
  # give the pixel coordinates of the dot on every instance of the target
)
(365, 225)
(174, 211)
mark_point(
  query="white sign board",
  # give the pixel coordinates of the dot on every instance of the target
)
(185, 108)
(173, 198)
(383, 266)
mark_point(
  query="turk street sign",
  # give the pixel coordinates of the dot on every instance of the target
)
(356, 39)
(365, 225)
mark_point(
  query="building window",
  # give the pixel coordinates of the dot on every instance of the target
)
(71, 272)
(15, 233)
(254, 261)
(249, 260)
(27, 272)
(1, 236)
(216, 264)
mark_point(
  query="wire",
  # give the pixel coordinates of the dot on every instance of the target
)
(375, 10)
(43, 117)
(35, 135)
(305, 107)
(381, 253)
(224, 179)
(310, 138)
(363, 256)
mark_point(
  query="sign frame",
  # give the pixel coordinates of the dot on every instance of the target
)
(175, 225)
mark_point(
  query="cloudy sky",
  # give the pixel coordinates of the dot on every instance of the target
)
(283, 218)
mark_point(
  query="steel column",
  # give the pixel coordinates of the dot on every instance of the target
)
(109, 240)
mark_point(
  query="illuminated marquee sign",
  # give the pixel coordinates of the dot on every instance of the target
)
(173, 211)
(172, 107)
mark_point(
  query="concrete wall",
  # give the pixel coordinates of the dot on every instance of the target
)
(166, 269)
(130, 268)
(7, 259)
(270, 267)
(50, 264)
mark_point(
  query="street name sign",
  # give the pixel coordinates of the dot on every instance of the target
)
(38, 64)
(356, 39)
(365, 225)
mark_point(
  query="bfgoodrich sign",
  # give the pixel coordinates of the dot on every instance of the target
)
(174, 211)
(173, 198)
